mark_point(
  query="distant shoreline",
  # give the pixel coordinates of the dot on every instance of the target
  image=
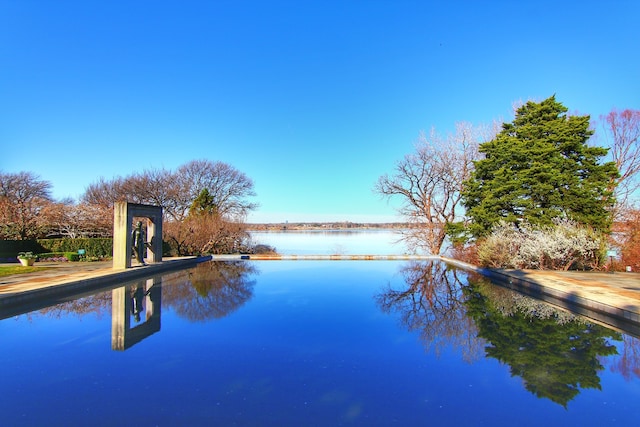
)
(325, 226)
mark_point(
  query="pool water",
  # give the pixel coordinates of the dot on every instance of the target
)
(318, 343)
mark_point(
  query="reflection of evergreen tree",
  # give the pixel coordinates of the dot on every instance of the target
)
(554, 359)
(211, 290)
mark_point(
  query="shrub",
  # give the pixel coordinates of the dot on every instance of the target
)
(497, 250)
(72, 256)
(562, 246)
(9, 249)
(100, 247)
(52, 257)
(59, 256)
(264, 249)
(27, 255)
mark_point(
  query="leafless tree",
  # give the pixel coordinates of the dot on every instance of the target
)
(627, 238)
(68, 219)
(23, 196)
(429, 182)
(206, 233)
(60, 219)
(104, 192)
(175, 191)
(623, 131)
(229, 187)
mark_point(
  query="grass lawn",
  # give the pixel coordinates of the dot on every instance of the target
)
(18, 269)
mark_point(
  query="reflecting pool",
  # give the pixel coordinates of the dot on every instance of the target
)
(316, 343)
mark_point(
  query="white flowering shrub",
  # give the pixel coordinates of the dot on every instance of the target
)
(496, 251)
(562, 246)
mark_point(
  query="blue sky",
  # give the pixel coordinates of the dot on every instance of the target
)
(313, 100)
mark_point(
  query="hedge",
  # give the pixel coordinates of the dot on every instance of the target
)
(101, 247)
(98, 247)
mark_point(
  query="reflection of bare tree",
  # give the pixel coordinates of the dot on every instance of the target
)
(431, 302)
(628, 363)
(99, 304)
(209, 291)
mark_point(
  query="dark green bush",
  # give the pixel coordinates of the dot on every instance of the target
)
(100, 248)
(94, 248)
(72, 256)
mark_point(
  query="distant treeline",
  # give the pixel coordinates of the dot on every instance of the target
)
(326, 226)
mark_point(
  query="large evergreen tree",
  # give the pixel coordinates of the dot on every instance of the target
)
(539, 167)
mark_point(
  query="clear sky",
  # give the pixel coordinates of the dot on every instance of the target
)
(313, 100)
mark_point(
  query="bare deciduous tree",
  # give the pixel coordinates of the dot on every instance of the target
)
(175, 191)
(628, 238)
(23, 196)
(429, 182)
(104, 192)
(623, 130)
(67, 219)
(229, 188)
(207, 233)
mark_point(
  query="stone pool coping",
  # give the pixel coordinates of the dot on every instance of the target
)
(609, 298)
(60, 280)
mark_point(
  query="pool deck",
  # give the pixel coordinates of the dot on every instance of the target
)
(67, 277)
(615, 296)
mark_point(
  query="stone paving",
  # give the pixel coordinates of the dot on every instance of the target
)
(58, 278)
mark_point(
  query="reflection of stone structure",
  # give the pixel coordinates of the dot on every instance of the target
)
(123, 214)
(127, 301)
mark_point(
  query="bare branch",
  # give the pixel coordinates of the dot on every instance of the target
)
(429, 183)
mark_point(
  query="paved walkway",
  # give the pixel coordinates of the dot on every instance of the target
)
(59, 278)
(611, 296)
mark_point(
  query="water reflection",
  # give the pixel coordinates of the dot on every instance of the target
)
(555, 353)
(627, 363)
(211, 290)
(143, 297)
(430, 302)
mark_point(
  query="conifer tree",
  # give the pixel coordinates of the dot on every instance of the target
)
(540, 168)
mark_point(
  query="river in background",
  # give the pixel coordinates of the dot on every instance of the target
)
(333, 242)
